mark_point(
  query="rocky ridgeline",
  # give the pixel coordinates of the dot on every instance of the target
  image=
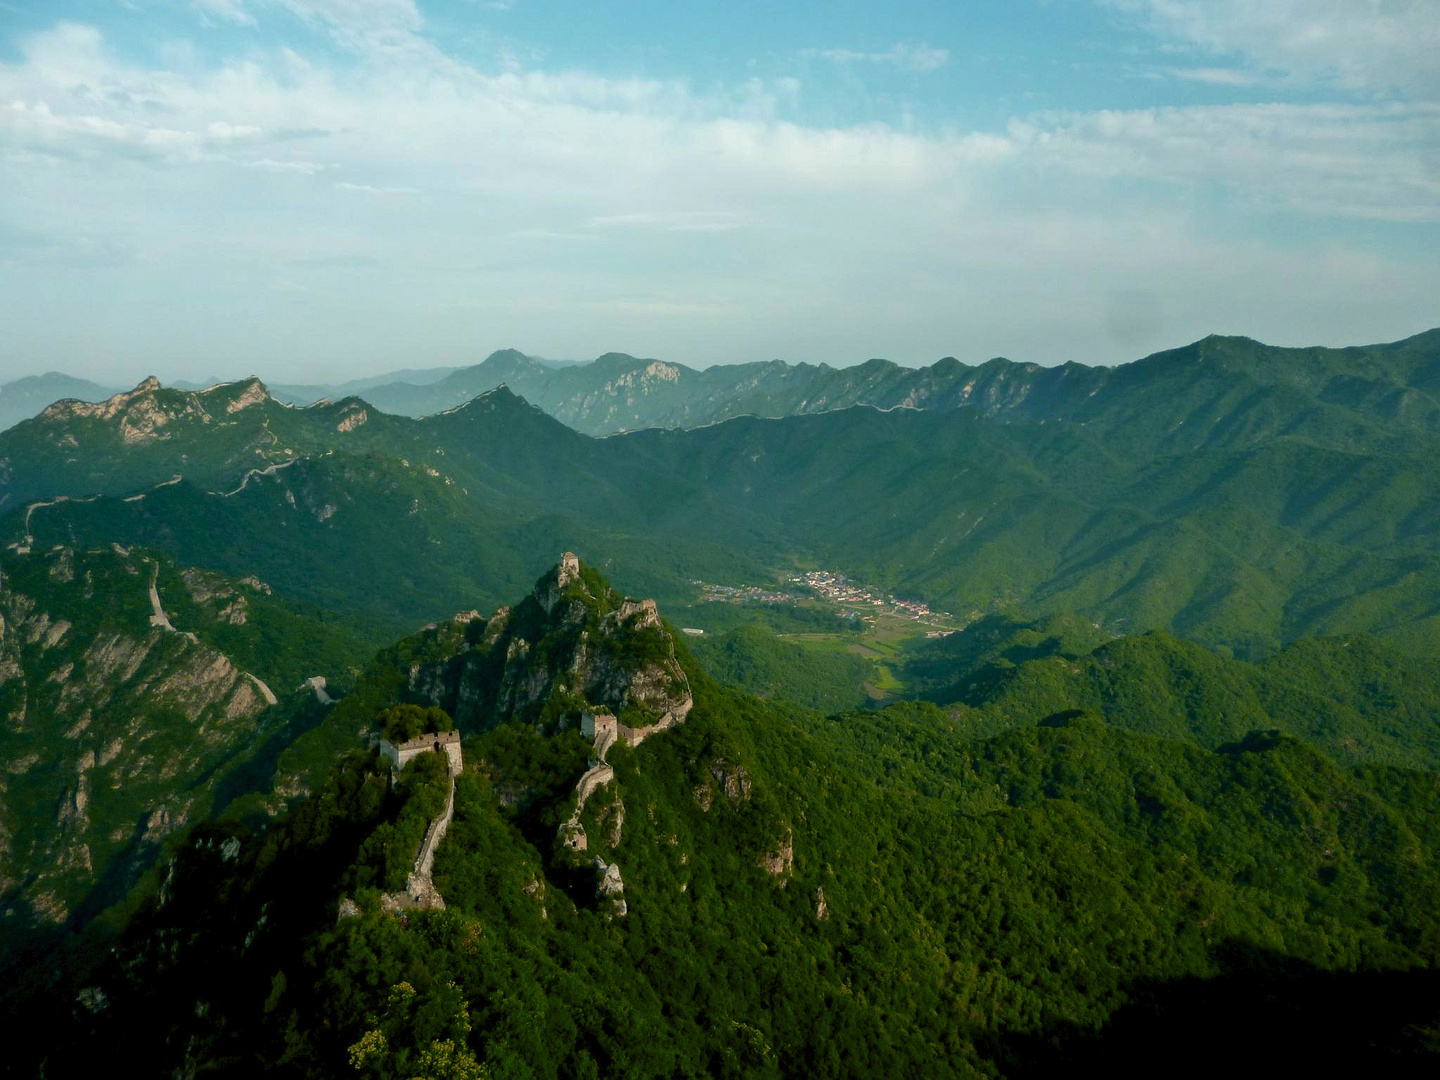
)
(146, 412)
(216, 438)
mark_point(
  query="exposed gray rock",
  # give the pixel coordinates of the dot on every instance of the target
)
(733, 780)
(610, 889)
(781, 861)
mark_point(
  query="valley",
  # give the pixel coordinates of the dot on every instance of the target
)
(1025, 699)
(1285, 513)
(706, 541)
(868, 625)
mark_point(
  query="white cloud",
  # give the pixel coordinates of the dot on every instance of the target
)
(367, 189)
(225, 131)
(673, 221)
(1356, 161)
(375, 27)
(569, 212)
(1358, 44)
(1217, 76)
(229, 10)
(305, 168)
(918, 58)
(351, 13)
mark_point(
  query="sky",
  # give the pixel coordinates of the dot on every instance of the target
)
(317, 190)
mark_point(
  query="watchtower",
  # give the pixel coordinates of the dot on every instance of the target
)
(447, 742)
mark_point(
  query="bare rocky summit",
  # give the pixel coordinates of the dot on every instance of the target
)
(574, 644)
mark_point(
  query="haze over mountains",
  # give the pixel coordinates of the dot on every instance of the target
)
(617, 392)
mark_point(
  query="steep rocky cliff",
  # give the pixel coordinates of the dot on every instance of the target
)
(119, 721)
(572, 654)
(574, 644)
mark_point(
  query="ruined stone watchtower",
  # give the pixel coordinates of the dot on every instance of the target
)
(403, 754)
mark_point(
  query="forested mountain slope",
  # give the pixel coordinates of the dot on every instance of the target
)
(217, 437)
(133, 695)
(779, 869)
(1216, 509)
(21, 399)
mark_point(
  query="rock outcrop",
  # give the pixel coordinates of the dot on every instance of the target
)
(609, 889)
(574, 653)
(780, 861)
(573, 644)
(118, 719)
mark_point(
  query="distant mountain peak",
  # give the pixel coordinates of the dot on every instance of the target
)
(101, 410)
(511, 355)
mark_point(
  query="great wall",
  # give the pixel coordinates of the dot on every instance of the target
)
(420, 892)
(658, 690)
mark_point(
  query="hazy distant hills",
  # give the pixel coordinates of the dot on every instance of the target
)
(1226, 491)
(23, 398)
(1398, 382)
(617, 392)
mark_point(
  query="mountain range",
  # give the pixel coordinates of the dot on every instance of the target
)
(1157, 767)
(618, 392)
(1235, 495)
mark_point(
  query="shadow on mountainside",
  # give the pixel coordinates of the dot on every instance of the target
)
(1265, 1015)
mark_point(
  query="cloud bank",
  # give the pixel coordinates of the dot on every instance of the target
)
(419, 209)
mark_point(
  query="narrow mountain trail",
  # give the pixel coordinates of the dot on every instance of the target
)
(597, 776)
(269, 470)
(25, 543)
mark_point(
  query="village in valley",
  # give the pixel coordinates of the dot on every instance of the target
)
(829, 588)
(882, 628)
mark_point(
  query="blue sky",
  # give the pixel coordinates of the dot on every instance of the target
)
(321, 189)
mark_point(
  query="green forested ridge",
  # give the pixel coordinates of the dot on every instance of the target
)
(1357, 698)
(987, 899)
(752, 658)
(1226, 492)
